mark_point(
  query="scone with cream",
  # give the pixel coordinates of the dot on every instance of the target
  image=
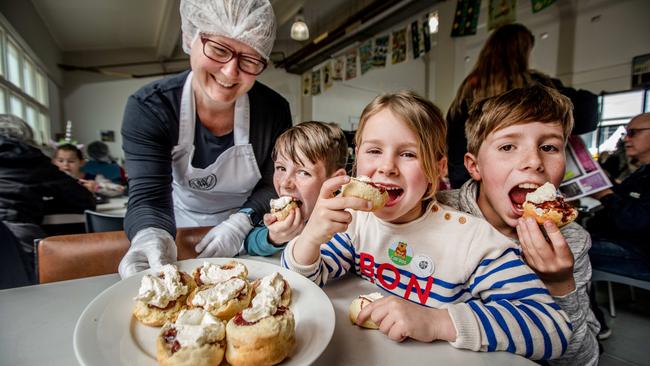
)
(263, 334)
(224, 299)
(210, 273)
(162, 296)
(546, 204)
(196, 339)
(358, 304)
(281, 207)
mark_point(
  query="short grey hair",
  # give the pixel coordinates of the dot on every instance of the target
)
(15, 127)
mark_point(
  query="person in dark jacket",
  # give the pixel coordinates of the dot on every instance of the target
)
(31, 187)
(101, 163)
(620, 231)
(502, 65)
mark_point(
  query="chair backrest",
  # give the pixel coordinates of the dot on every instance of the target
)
(600, 275)
(97, 222)
(67, 257)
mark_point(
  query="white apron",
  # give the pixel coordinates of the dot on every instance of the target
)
(206, 197)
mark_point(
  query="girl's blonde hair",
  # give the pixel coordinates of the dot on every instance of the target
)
(426, 122)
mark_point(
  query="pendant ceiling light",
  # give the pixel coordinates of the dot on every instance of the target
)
(299, 30)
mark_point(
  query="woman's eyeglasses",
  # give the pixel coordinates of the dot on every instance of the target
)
(631, 132)
(219, 52)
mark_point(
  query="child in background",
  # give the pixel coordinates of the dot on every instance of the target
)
(304, 157)
(69, 159)
(478, 293)
(516, 142)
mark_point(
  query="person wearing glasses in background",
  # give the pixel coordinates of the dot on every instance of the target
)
(198, 144)
(620, 231)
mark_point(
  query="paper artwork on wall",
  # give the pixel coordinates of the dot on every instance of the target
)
(306, 83)
(351, 65)
(399, 46)
(415, 39)
(315, 82)
(539, 5)
(365, 56)
(381, 51)
(337, 73)
(501, 12)
(327, 75)
(466, 18)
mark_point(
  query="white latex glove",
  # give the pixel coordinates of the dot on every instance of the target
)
(225, 239)
(151, 247)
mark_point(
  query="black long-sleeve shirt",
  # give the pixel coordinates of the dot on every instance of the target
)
(626, 212)
(150, 130)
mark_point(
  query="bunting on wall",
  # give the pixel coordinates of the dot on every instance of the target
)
(501, 12)
(381, 51)
(315, 82)
(306, 83)
(399, 46)
(365, 56)
(415, 39)
(337, 73)
(466, 18)
(327, 75)
(539, 5)
(351, 65)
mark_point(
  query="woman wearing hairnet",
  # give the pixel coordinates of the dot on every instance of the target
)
(198, 145)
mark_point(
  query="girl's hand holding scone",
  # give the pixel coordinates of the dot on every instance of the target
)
(328, 218)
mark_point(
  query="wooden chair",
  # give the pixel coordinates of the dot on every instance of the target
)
(67, 257)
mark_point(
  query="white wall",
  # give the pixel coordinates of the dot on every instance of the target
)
(99, 106)
(288, 85)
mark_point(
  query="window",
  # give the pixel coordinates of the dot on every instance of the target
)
(23, 85)
(16, 106)
(616, 111)
(13, 64)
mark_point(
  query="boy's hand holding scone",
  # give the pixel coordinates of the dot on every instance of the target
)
(285, 221)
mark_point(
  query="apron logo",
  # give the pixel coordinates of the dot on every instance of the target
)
(204, 183)
(400, 253)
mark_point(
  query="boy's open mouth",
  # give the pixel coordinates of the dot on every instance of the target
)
(518, 195)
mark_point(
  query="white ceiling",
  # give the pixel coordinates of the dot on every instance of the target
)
(83, 25)
(101, 32)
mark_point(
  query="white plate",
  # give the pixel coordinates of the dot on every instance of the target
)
(107, 334)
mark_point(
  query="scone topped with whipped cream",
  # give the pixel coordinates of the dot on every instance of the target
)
(545, 203)
(263, 334)
(210, 273)
(281, 207)
(196, 338)
(223, 299)
(162, 296)
(363, 187)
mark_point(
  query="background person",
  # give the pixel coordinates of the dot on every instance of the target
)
(69, 159)
(503, 64)
(198, 145)
(31, 187)
(101, 163)
(620, 231)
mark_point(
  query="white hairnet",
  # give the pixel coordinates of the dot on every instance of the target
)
(251, 22)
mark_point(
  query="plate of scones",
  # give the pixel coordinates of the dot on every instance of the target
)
(215, 311)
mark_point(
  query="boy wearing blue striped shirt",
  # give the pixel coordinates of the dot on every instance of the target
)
(477, 292)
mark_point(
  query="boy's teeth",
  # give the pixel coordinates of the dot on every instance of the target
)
(528, 185)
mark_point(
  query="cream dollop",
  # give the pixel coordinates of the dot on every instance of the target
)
(158, 291)
(267, 298)
(363, 178)
(219, 294)
(278, 204)
(211, 273)
(547, 192)
(196, 327)
(372, 297)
